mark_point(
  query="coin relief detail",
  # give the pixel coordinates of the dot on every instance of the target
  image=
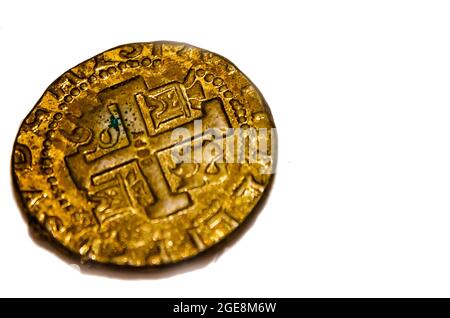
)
(94, 163)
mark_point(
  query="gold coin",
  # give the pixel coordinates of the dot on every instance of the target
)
(146, 154)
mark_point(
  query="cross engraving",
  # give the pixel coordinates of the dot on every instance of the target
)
(119, 166)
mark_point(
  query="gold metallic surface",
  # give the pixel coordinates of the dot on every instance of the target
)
(91, 161)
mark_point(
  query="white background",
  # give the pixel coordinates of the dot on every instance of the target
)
(360, 93)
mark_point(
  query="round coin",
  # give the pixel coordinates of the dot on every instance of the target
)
(146, 154)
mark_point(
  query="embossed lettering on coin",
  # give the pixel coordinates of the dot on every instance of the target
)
(146, 154)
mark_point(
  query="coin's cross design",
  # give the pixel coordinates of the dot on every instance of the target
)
(146, 117)
(93, 164)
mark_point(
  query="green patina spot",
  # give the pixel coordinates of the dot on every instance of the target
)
(114, 122)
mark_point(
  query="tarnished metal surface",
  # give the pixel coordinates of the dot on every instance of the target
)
(93, 161)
